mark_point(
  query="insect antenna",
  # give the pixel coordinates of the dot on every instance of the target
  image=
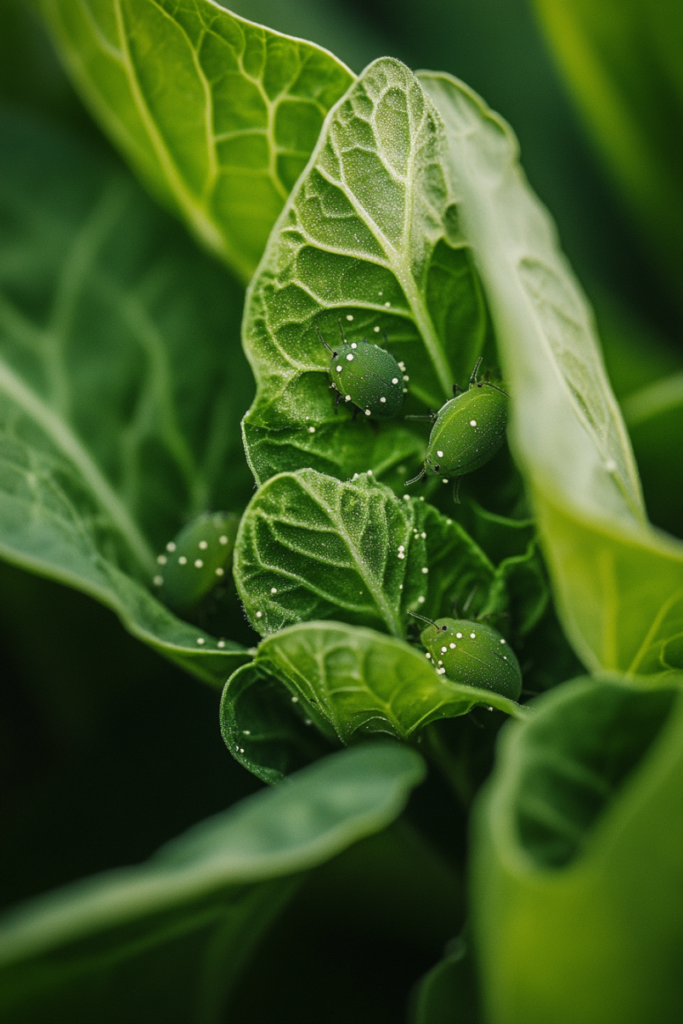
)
(424, 619)
(420, 475)
(475, 371)
(322, 340)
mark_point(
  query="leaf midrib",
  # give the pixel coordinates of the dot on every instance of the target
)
(68, 443)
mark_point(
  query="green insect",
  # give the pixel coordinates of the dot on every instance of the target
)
(367, 376)
(196, 560)
(472, 653)
(468, 430)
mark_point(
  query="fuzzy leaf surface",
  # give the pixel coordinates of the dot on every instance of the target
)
(312, 547)
(618, 582)
(370, 239)
(110, 436)
(217, 115)
(363, 682)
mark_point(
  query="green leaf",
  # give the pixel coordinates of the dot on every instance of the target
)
(448, 993)
(621, 59)
(370, 238)
(265, 729)
(165, 941)
(361, 682)
(311, 547)
(617, 581)
(578, 860)
(111, 437)
(217, 115)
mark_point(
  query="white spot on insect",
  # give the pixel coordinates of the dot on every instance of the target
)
(452, 646)
(170, 546)
(182, 560)
(440, 662)
(222, 539)
(444, 650)
(369, 472)
(307, 721)
(376, 330)
(401, 547)
(473, 423)
(505, 657)
(158, 581)
(401, 554)
(221, 644)
(406, 497)
(502, 641)
(162, 559)
(380, 293)
(259, 615)
(220, 571)
(203, 545)
(420, 599)
(349, 357)
(459, 636)
(382, 399)
(444, 479)
(405, 391)
(442, 671)
(273, 590)
(394, 380)
(400, 586)
(311, 430)
(440, 454)
(353, 343)
(339, 370)
(406, 377)
(425, 570)
(198, 564)
(349, 316)
(295, 700)
(201, 641)
(355, 476)
(387, 305)
(246, 732)
(368, 413)
(348, 398)
(423, 535)
(427, 655)
(473, 636)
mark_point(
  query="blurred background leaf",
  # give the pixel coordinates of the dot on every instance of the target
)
(622, 62)
(165, 941)
(578, 850)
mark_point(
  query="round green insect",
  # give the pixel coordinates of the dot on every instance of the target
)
(196, 560)
(368, 377)
(474, 654)
(468, 430)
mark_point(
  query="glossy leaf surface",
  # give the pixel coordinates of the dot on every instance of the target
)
(216, 114)
(311, 547)
(369, 238)
(110, 438)
(578, 850)
(617, 581)
(96, 950)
